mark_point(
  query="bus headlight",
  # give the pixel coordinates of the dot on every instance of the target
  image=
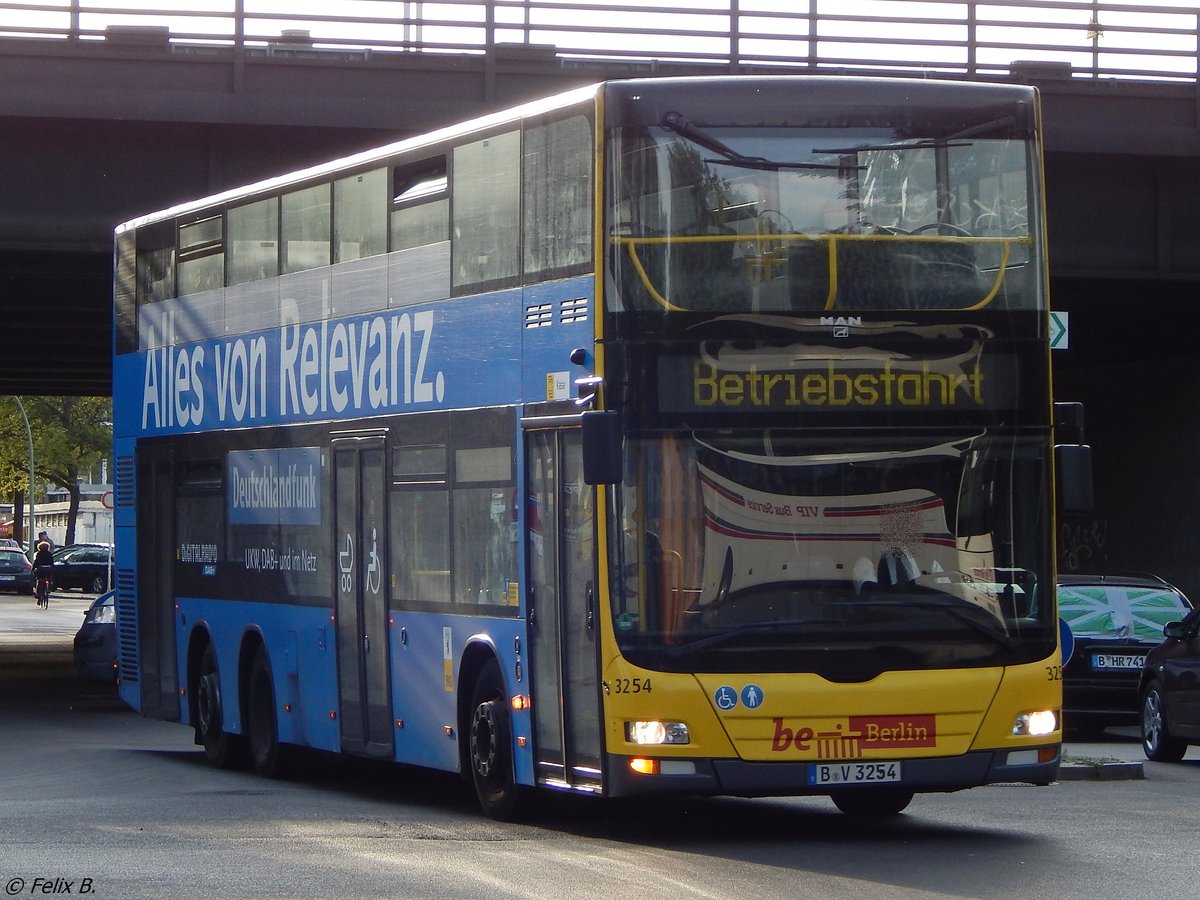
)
(656, 732)
(1037, 723)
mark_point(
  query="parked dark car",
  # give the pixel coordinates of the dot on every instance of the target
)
(59, 551)
(16, 572)
(1171, 692)
(96, 640)
(82, 566)
(1115, 621)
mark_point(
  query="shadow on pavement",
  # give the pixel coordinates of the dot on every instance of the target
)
(41, 672)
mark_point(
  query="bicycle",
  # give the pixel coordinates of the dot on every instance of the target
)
(42, 585)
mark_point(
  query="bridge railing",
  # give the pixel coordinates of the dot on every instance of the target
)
(1134, 39)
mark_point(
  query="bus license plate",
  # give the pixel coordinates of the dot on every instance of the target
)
(853, 773)
(1117, 661)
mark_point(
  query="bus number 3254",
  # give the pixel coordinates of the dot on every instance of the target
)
(629, 686)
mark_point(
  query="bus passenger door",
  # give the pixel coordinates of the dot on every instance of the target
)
(563, 655)
(360, 560)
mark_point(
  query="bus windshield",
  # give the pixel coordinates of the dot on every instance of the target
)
(777, 551)
(800, 218)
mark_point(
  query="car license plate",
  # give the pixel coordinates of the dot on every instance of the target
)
(853, 773)
(8, 577)
(1118, 660)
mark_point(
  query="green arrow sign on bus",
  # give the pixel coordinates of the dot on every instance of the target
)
(1058, 331)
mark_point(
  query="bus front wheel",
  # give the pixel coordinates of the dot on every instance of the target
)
(490, 737)
(223, 750)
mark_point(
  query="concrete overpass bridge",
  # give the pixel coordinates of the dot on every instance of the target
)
(105, 117)
(108, 122)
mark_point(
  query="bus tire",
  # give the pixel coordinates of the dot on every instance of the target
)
(490, 747)
(1157, 742)
(267, 754)
(872, 803)
(223, 750)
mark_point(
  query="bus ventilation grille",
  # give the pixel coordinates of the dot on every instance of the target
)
(540, 316)
(124, 482)
(127, 640)
(574, 311)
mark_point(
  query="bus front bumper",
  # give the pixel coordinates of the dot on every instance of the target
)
(765, 779)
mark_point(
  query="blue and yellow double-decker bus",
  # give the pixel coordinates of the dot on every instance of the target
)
(682, 435)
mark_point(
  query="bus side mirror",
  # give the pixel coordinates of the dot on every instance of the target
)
(1073, 463)
(601, 447)
(1068, 422)
(1072, 459)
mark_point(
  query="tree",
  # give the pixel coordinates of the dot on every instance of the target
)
(70, 435)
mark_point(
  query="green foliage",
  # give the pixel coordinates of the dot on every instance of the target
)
(70, 435)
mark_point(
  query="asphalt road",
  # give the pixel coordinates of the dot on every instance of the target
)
(21, 616)
(96, 798)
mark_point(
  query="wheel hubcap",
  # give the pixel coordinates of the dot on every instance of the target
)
(1152, 721)
(206, 703)
(483, 739)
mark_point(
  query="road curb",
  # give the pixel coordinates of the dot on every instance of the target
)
(1087, 769)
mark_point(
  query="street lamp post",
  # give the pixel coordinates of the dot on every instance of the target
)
(29, 438)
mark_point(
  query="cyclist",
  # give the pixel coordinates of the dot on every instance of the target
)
(43, 574)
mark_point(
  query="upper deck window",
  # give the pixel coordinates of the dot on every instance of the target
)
(155, 263)
(196, 237)
(254, 241)
(420, 205)
(305, 226)
(558, 195)
(421, 182)
(201, 255)
(360, 215)
(487, 206)
(771, 219)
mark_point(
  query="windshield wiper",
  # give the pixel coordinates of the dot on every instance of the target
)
(674, 121)
(922, 144)
(722, 637)
(999, 635)
(927, 143)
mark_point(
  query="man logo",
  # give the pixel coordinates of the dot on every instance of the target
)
(841, 324)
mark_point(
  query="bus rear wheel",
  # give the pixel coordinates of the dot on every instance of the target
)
(490, 747)
(873, 803)
(223, 750)
(268, 755)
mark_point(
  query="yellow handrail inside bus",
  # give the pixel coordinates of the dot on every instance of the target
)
(1004, 250)
(831, 297)
(641, 272)
(831, 241)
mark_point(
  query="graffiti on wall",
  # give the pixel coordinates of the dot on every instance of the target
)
(1082, 544)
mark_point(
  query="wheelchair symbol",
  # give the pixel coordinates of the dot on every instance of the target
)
(374, 568)
(346, 566)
